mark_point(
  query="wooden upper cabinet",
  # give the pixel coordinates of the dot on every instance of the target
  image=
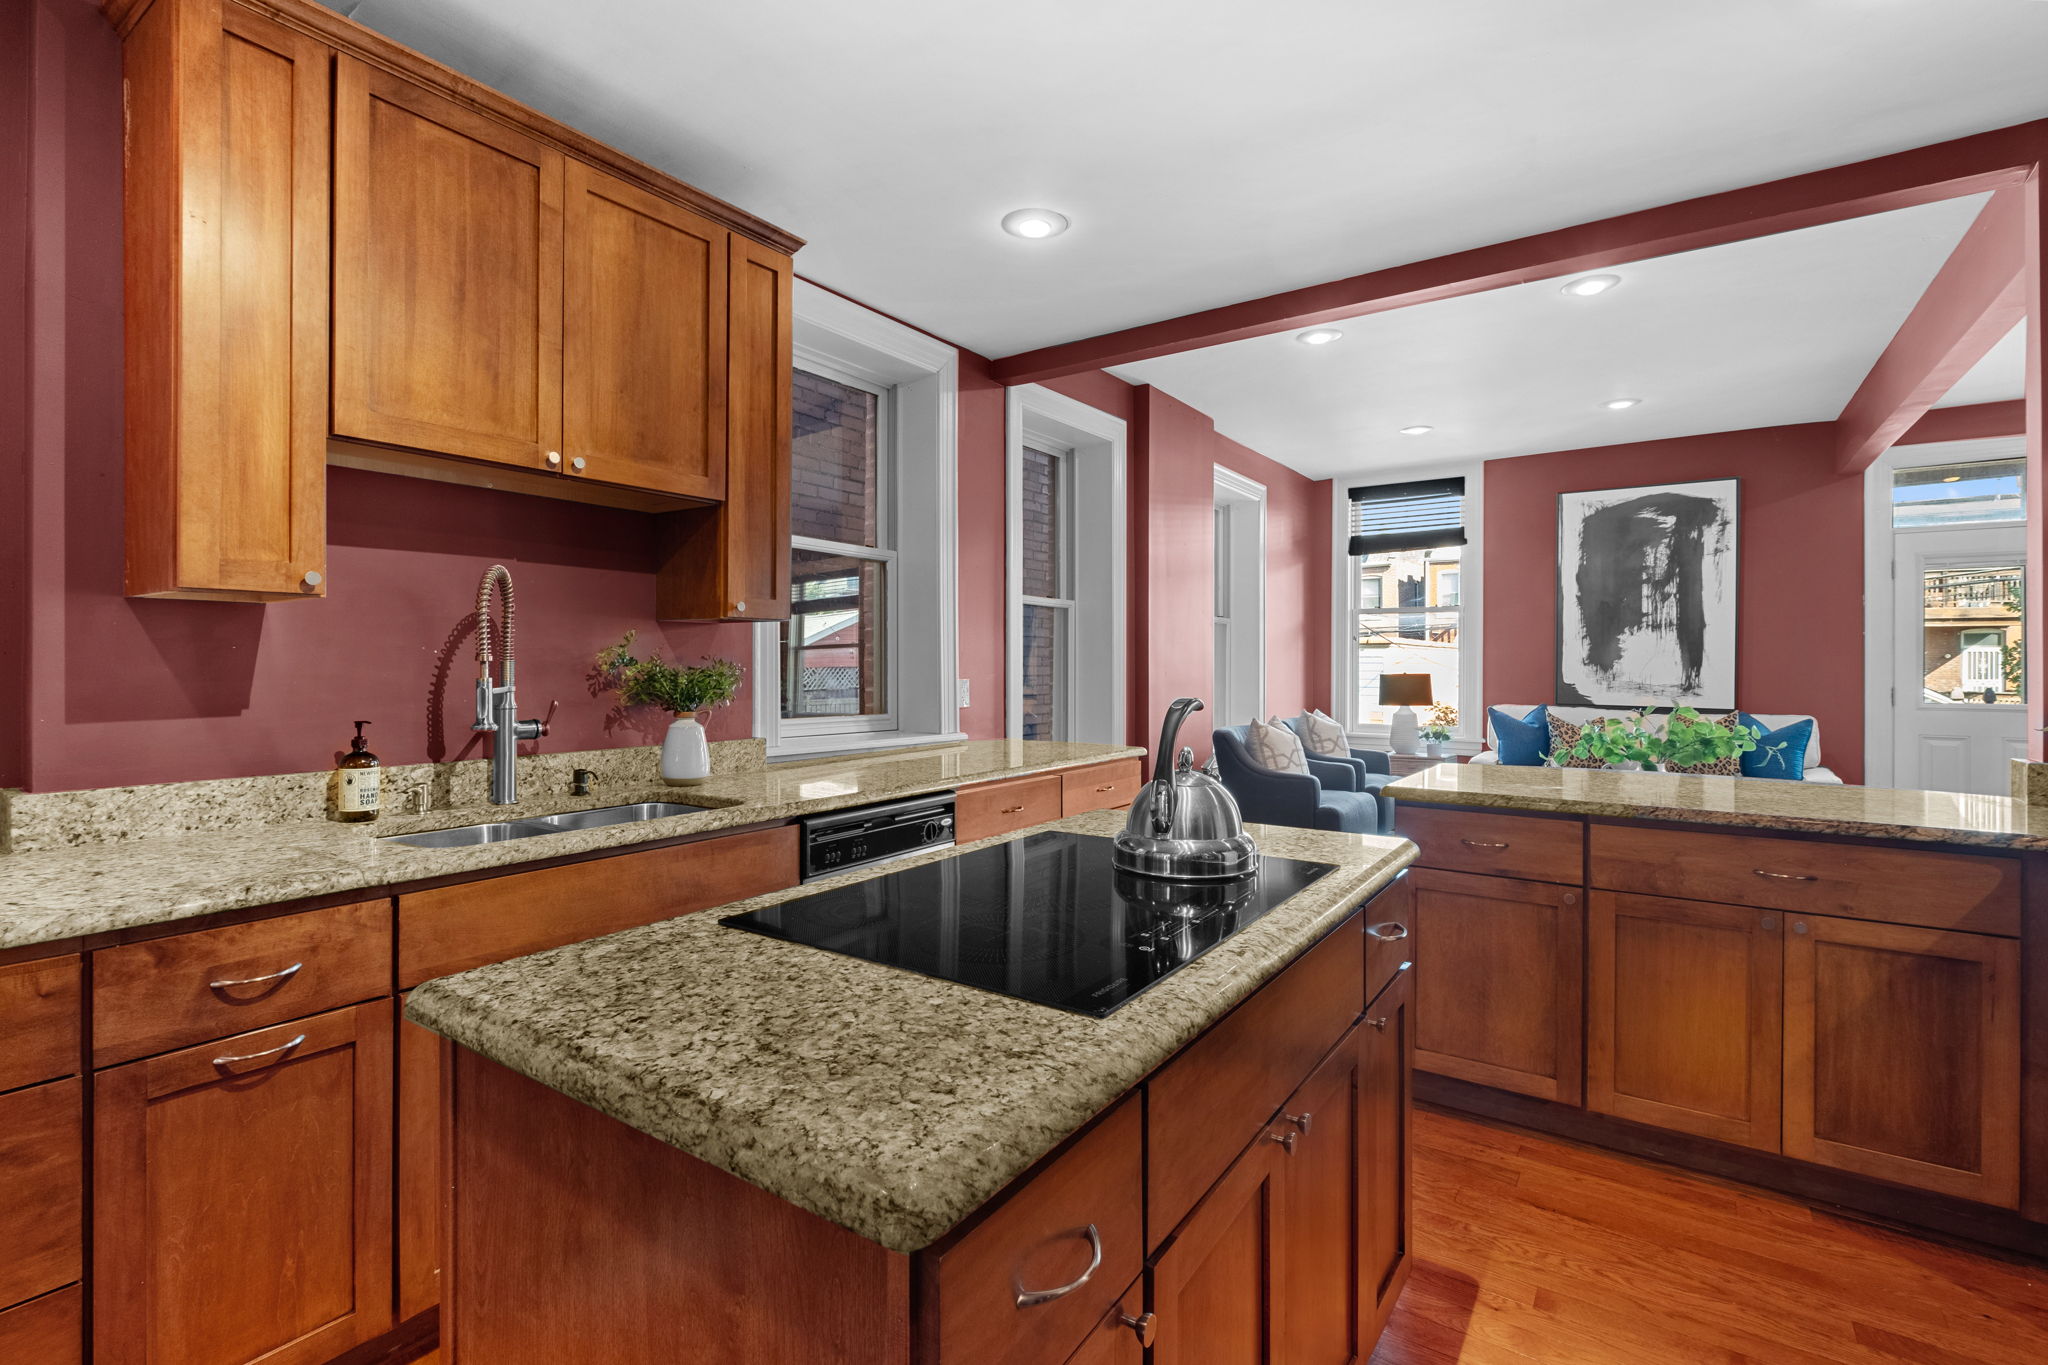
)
(643, 339)
(1684, 1028)
(447, 276)
(1902, 1055)
(226, 209)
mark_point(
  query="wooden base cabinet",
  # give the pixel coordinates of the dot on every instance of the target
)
(1684, 1025)
(1385, 1119)
(242, 1197)
(1217, 1289)
(1500, 962)
(1902, 1055)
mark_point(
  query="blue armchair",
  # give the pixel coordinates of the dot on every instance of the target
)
(1336, 793)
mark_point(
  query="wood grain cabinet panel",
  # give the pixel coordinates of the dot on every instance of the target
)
(986, 809)
(242, 1197)
(226, 264)
(1531, 847)
(1216, 1289)
(1938, 889)
(447, 275)
(1322, 1210)
(731, 562)
(643, 339)
(42, 1195)
(40, 1020)
(1100, 786)
(1499, 966)
(420, 1173)
(1386, 1110)
(170, 992)
(1902, 1055)
(45, 1331)
(1119, 1335)
(1684, 1025)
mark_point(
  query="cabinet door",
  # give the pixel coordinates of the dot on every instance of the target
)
(1902, 1055)
(226, 202)
(1498, 966)
(1121, 1335)
(1321, 1212)
(643, 339)
(1683, 1022)
(447, 276)
(242, 1197)
(421, 1170)
(1215, 1289)
(1386, 1046)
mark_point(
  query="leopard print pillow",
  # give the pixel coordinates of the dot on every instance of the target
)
(1563, 735)
(1730, 766)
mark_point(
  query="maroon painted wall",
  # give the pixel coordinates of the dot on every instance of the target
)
(1799, 642)
(16, 45)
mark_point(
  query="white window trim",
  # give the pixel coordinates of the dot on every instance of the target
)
(1246, 500)
(1880, 565)
(1096, 645)
(838, 336)
(1471, 734)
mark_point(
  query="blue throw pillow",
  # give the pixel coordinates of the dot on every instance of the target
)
(1778, 753)
(1523, 743)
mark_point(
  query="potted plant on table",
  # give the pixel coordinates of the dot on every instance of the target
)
(1690, 742)
(1438, 730)
(686, 693)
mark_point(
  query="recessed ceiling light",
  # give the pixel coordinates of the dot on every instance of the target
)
(1587, 286)
(1416, 431)
(1034, 223)
(1951, 478)
(1318, 336)
(1617, 404)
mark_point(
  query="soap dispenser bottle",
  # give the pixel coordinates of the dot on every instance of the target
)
(355, 790)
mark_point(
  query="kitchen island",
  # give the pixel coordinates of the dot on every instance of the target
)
(685, 1142)
(1841, 992)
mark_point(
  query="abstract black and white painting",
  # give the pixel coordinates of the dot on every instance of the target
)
(1646, 596)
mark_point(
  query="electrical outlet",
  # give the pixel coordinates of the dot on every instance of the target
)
(961, 687)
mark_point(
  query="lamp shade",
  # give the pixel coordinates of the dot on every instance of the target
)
(1404, 689)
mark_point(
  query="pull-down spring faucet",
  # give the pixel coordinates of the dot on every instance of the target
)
(497, 709)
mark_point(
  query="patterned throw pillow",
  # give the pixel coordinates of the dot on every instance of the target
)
(1275, 746)
(1730, 766)
(1323, 735)
(1563, 735)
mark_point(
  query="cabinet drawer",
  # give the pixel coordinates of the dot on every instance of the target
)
(39, 1021)
(172, 992)
(42, 1154)
(1526, 846)
(992, 808)
(1898, 886)
(1389, 933)
(1100, 786)
(1039, 1239)
(453, 928)
(1207, 1103)
(48, 1331)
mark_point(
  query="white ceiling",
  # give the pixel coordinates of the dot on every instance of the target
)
(1773, 330)
(2000, 376)
(1211, 150)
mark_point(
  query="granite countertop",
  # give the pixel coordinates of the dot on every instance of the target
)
(68, 892)
(890, 1103)
(1743, 802)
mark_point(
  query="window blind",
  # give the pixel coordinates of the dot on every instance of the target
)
(1423, 515)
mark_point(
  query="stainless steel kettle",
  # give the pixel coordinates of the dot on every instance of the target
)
(1184, 824)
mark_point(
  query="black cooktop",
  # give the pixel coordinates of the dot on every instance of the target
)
(1045, 918)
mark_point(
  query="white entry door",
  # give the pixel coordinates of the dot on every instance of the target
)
(1959, 695)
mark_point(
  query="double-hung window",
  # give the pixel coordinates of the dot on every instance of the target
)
(1046, 521)
(836, 655)
(1406, 550)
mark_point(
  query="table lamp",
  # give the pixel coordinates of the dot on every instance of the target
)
(1404, 690)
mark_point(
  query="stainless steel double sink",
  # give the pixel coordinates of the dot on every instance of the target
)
(497, 832)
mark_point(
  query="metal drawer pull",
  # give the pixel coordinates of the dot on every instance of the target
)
(1012, 810)
(1300, 1121)
(1031, 1298)
(1144, 1325)
(285, 975)
(1393, 931)
(1110, 787)
(1480, 843)
(1784, 876)
(1286, 1140)
(225, 1062)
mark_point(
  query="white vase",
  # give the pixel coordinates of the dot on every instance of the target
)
(685, 756)
(1434, 748)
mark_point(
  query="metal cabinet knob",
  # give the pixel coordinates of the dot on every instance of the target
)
(1799, 926)
(1770, 921)
(312, 578)
(1286, 1140)
(739, 606)
(1379, 1023)
(554, 459)
(1300, 1121)
(577, 464)
(1031, 1298)
(1145, 1326)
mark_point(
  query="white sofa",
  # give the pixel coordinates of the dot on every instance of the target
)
(1579, 715)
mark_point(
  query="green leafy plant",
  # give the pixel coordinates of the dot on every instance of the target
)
(1442, 723)
(1689, 740)
(682, 691)
(1614, 740)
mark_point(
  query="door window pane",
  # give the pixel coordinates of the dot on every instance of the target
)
(1960, 494)
(1043, 518)
(834, 644)
(1044, 662)
(1971, 633)
(834, 461)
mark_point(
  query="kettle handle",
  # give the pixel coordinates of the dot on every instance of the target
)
(1162, 763)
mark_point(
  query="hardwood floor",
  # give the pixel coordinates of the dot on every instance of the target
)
(1530, 1249)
